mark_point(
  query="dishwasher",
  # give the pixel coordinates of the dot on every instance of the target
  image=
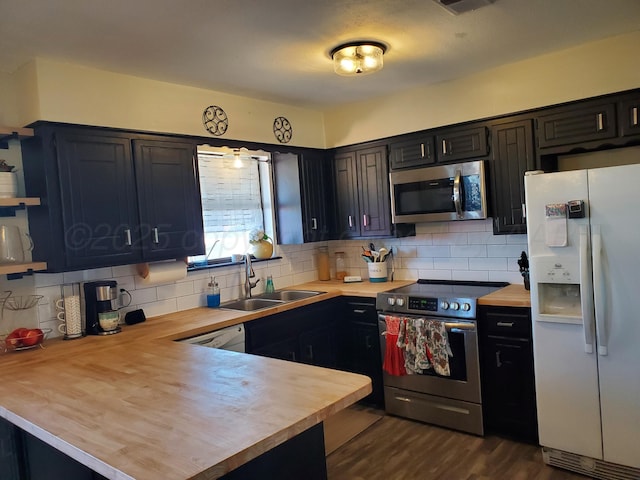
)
(228, 338)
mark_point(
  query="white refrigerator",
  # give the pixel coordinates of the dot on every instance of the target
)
(584, 254)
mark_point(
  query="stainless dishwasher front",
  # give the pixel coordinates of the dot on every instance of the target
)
(228, 338)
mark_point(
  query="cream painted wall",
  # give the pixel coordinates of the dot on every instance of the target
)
(588, 70)
(19, 96)
(77, 94)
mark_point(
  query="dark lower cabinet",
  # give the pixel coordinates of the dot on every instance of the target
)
(305, 334)
(359, 345)
(340, 333)
(506, 368)
(25, 457)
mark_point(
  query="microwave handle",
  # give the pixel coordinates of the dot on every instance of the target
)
(457, 194)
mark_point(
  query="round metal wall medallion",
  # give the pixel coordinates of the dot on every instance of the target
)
(215, 120)
(282, 129)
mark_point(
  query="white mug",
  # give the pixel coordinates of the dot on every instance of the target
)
(69, 314)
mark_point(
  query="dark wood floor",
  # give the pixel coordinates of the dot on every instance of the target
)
(399, 449)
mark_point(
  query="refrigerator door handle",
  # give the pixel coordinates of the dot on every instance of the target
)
(586, 287)
(598, 290)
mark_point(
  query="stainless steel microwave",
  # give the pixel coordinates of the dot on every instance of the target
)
(439, 193)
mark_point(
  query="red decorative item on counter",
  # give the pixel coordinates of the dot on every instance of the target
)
(393, 356)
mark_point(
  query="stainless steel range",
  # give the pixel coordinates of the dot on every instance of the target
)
(452, 401)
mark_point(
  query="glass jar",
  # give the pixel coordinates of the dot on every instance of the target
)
(341, 265)
(323, 264)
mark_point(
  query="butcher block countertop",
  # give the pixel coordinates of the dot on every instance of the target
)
(138, 405)
(509, 296)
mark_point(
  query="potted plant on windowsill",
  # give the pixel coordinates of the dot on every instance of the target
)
(261, 246)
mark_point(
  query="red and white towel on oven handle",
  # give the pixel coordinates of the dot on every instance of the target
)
(425, 344)
(394, 361)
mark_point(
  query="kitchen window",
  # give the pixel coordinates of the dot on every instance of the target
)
(235, 187)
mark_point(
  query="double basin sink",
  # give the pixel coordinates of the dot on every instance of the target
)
(267, 300)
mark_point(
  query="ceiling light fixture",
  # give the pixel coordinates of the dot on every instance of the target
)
(237, 161)
(358, 58)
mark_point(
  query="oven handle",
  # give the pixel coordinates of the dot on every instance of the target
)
(456, 327)
(457, 194)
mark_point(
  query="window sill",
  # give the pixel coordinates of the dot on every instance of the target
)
(192, 267)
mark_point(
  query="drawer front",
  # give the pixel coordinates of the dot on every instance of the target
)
(508, 324)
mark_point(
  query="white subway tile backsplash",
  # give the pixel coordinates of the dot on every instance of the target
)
(48, 279)
(486, 238)
(504, 250)
(469, 251)
(470, 275)
(436, 251)
(159, 308)
(144, 295)
(87, 275)
(432, 227)
(191, 301)
(179, 289)
(450, 239)
(441, 251)
(488, 264)
(451, 263)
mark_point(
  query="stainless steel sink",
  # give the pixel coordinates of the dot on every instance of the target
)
(290, 295)
(251, 304)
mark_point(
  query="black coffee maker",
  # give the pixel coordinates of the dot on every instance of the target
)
(98, 298)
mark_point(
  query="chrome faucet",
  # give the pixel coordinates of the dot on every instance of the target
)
(249, 273)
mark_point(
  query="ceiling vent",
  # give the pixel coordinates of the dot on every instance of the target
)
(456, 7)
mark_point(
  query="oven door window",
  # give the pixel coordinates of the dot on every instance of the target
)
(433, 196)
(457, 363)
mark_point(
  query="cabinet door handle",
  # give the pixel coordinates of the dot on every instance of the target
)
(524, 210)
(444, 147)
(422, 150)
(600, 122)
(498, 362)
(357, 310)
(127, 235)
(292, 356)
(156, 239)
(634, 116)
(310, 351)
(314, 224)
(367, 342)
(350, 222)
(364, 221)
(505, 324)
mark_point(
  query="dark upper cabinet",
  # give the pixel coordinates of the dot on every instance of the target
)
(111, 197)
(302, 197)
(512, 155)
(346, 186)
(629, 115)
(97, 201)
(574, 124)
(373, 192)
(169, 198)
(414, 152)
(362, 193)
(460, 144)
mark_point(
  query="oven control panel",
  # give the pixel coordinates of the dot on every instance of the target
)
(423, 304)
(446, 307)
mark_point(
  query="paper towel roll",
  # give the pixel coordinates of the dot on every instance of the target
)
(162, 272)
